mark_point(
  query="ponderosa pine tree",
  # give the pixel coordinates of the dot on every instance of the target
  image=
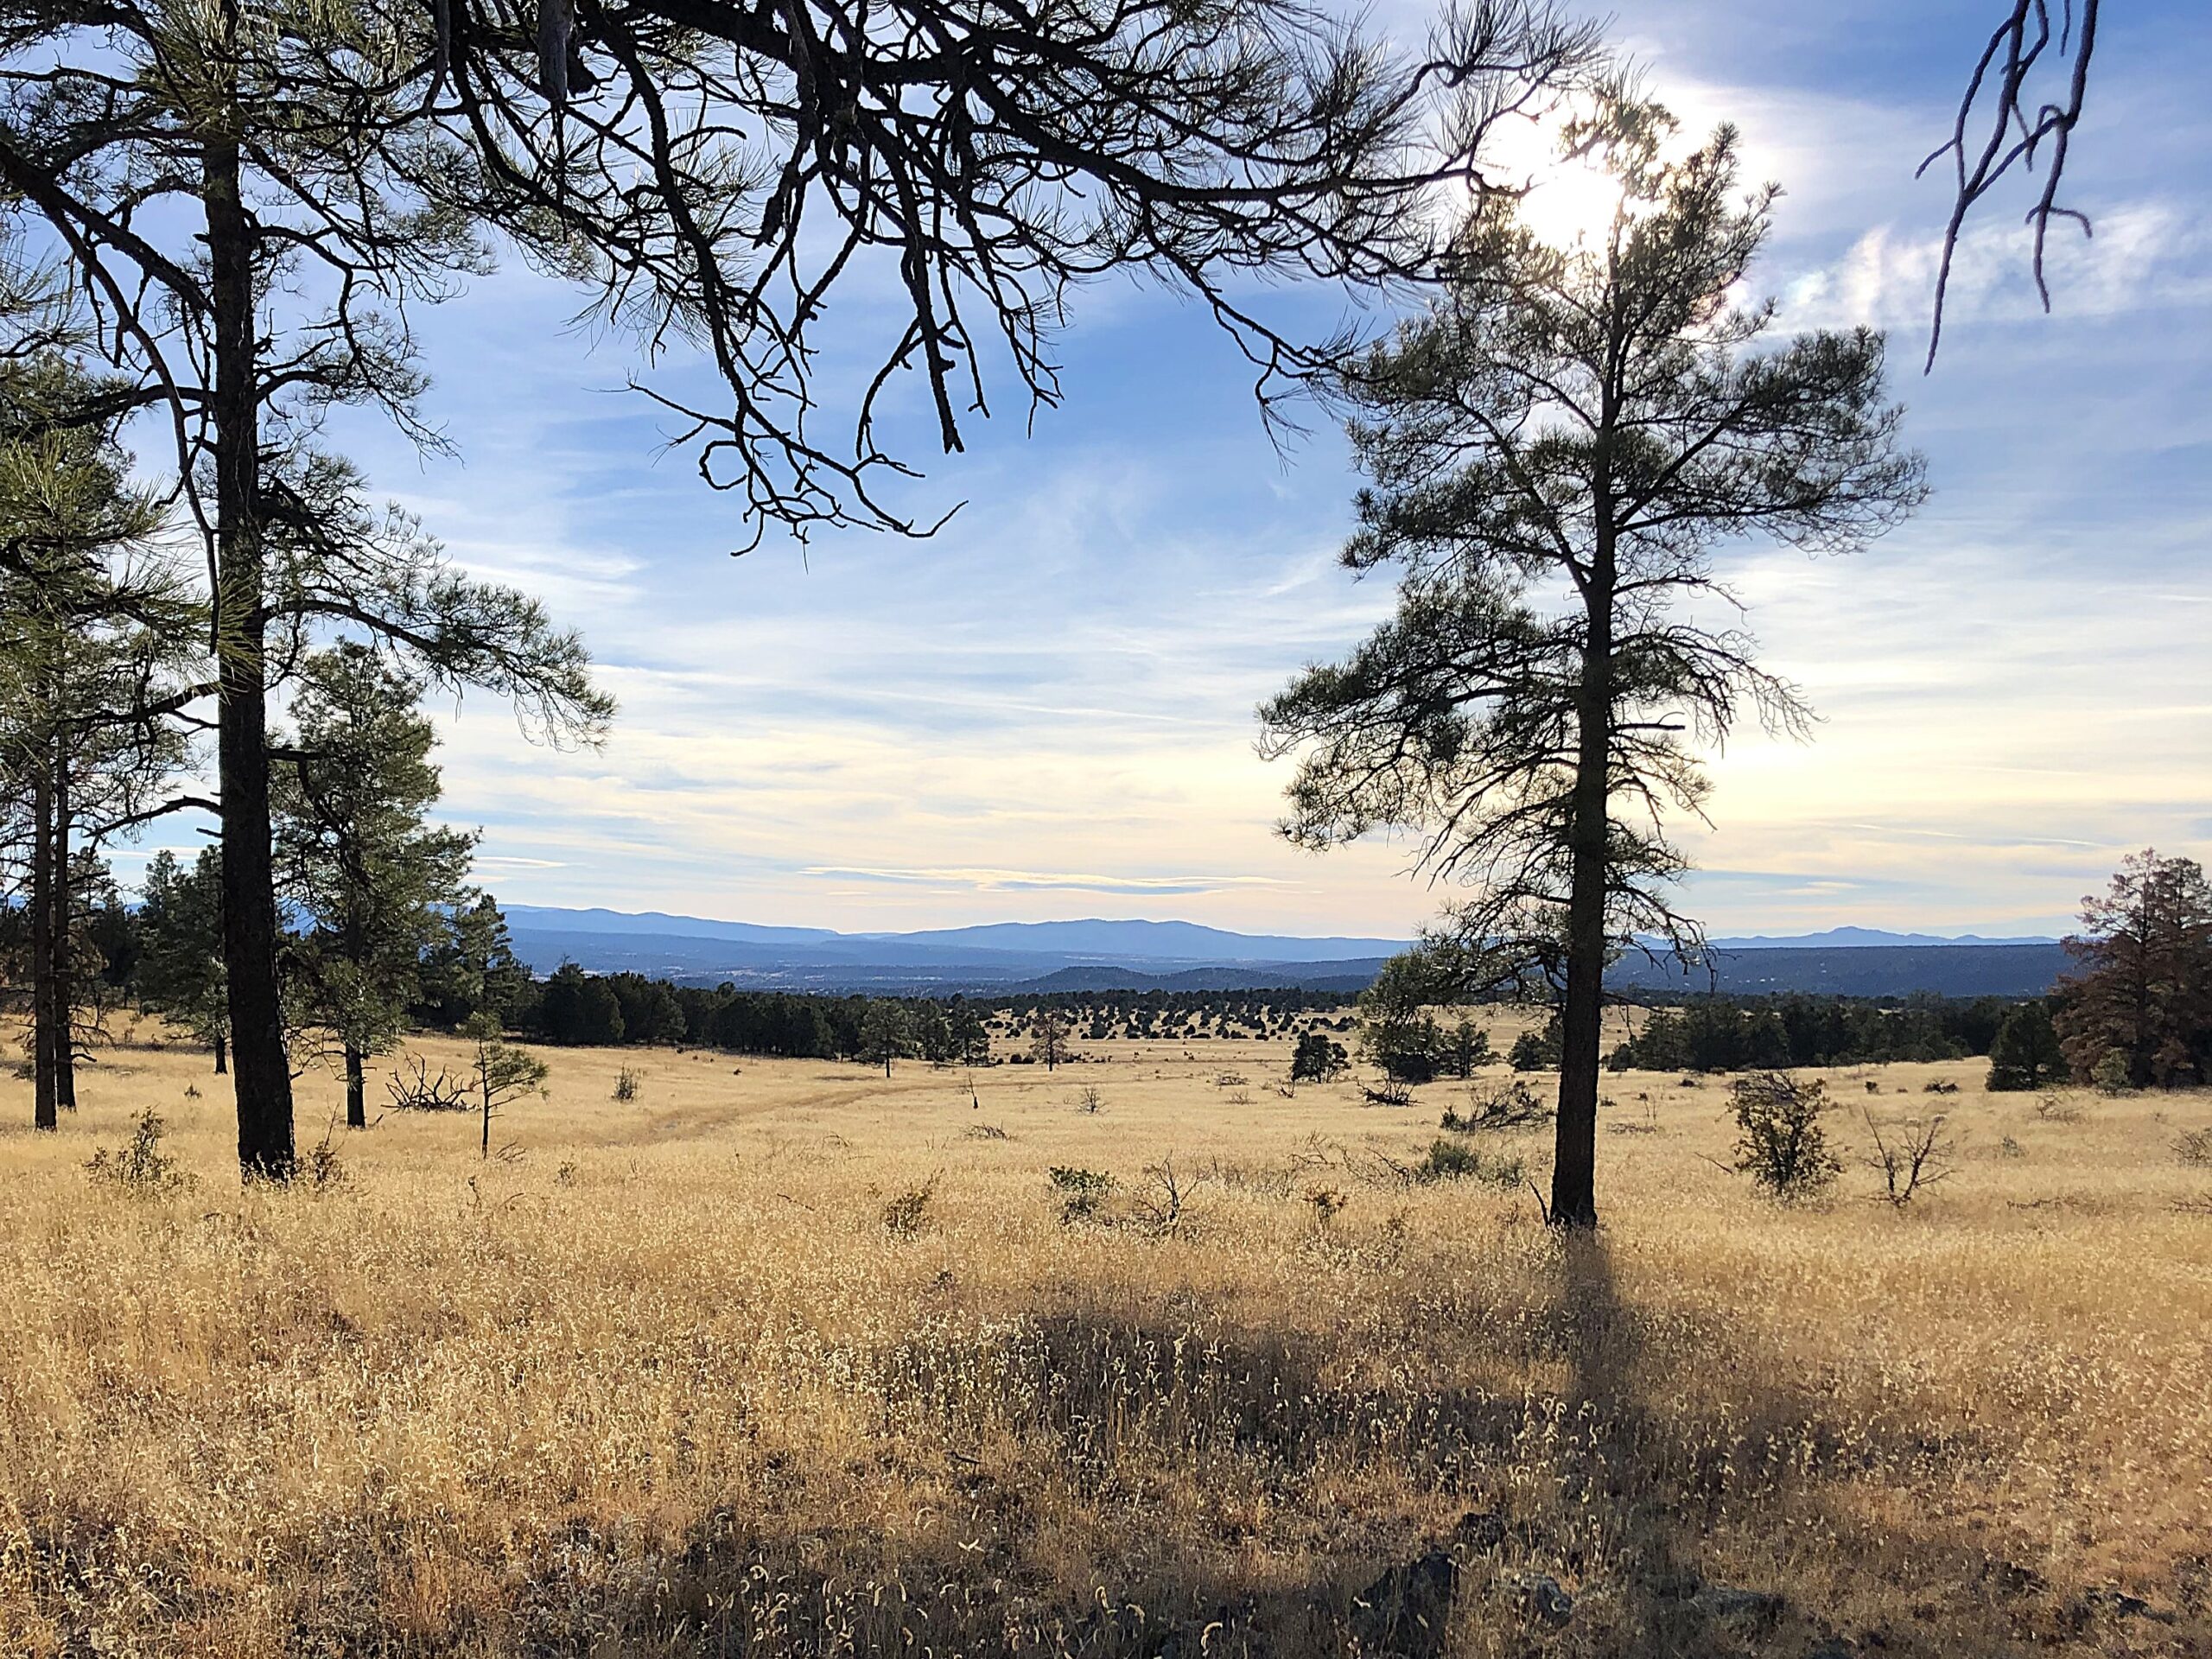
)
(1050, 1038)
(886, 1033)
(246, 201)
(369, 883)
(1558, 447)
(94, 640)
(473, 968)
(1397, 1034)
(181, 948)
(2142, 987)
(2025, 1052)
(970, 1037)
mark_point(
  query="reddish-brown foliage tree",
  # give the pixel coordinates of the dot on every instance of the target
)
(2145, 987)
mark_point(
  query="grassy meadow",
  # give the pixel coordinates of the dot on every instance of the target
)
(785, 1357)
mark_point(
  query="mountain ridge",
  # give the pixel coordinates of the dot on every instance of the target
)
(999, 958)
(1865, 938)
(1170, 940)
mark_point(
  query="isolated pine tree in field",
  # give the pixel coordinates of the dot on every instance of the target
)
(1317, 1059)
(1558, 448)
(1050, 1039)
(1397, 1034)
(500, 1074)
(886, 1034)
(370, 883)
(2025, 1052)
(2143, 987)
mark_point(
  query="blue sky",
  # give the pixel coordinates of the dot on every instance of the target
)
(1047, 711)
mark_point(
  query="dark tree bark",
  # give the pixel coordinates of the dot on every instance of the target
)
(61, 992)
(357, 1108)
(1575, 1155)
(42, 1097)
(262, 1073)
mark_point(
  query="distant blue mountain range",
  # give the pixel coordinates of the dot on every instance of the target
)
(1861, 938)
(1095, 954)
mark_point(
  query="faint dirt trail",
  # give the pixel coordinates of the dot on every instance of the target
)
(693, 1119)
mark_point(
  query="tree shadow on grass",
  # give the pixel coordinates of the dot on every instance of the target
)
(1106, 1481)
(1666, 1479)
(1598, 1515)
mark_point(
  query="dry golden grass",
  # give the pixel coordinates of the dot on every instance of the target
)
(673, 1376)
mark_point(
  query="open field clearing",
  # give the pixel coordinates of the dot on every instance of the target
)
(781, 1356)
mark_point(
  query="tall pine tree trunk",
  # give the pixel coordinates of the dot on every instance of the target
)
(63, 997)
(357, 1110)
(222, 1054)
(42, 1098)
(1574, 1158)
(262, 1075)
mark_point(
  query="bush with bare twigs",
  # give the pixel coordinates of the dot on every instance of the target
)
(1162, 1204)
(1915, 1154)
(1510, 1105)
(414, 1087)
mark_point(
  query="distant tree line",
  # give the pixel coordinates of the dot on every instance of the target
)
(1165, 1013)
(572, 1007)
(402, 941)
(576, 1007)
(1724, 1033)
(2135, 1013)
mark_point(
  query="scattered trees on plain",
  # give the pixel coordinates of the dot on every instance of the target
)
(1722, 1033)
(1595, 421)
